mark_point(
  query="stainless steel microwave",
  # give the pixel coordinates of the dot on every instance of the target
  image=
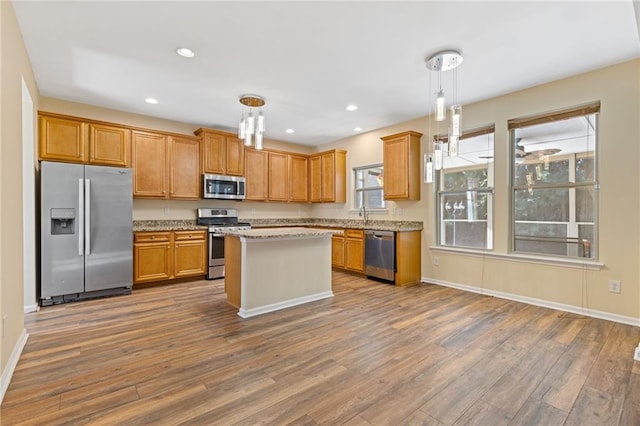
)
(223, 187)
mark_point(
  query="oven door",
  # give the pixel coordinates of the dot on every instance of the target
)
(216, 256)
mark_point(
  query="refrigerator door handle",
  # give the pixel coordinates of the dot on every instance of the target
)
(80, 217)
(87, 222)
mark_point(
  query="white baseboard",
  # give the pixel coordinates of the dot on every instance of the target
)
(12, 363)
(539, 302)
(30, 308)
(246, 313)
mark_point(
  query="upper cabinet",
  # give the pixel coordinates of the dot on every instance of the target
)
(328, 177)
(298, 178)
(184, 168)
(278, 176)
(165, 166)
(222, 153)
(257, 175)
(68, 139)
(401, 160)
(150, 158)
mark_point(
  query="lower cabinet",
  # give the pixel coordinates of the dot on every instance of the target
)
(354, 250)
(166, 255)
(347, 251)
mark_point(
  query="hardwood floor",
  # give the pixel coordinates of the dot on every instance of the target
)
(373, 354)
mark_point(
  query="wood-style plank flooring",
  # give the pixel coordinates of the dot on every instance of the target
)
(374, 354)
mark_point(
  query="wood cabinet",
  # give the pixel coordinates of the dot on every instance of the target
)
(337, 251)
(222, 152)
(152, 259)
(298, 178)
(257, 176)
(278, 176)
(184, 168)
(408, 257)
(149, 156)
(189, 253)
(401, 160)
(69, 139)
(160, 256)
(165, 166)
(109, 145)
(354, 250)
(328, 177)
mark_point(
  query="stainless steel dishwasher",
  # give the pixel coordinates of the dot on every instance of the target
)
(380, 254)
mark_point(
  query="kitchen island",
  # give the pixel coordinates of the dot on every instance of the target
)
(269, 269)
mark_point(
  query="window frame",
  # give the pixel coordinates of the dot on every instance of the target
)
(364, 189)
(592, 109)
(488, 191)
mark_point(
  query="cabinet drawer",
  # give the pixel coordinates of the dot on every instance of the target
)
(151, 237)
(354, 233)
(189, 235)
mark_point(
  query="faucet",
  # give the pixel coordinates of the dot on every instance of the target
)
(363, 213)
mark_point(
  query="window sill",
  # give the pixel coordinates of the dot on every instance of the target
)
(591, 265)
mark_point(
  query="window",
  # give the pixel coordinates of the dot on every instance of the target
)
(368, 187)
(465, 192)
(553, 183)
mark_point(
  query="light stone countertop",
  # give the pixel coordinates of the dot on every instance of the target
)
(281, 233)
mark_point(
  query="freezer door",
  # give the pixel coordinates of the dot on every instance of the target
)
(108, 224)
(61, 214)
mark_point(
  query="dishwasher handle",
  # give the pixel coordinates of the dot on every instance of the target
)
(379, 235)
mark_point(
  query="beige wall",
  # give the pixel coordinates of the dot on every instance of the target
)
(618, 89)
(14, 66)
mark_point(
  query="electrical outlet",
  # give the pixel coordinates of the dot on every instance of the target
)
(636, 356)
(614, 286)
(436, 261)
(167, 210)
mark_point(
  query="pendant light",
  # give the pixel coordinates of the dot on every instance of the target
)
(447, 60)
(252, 127)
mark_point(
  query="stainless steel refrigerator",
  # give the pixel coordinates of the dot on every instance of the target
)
(86, 232)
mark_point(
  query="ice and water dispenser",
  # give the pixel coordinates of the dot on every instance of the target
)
(63, 221)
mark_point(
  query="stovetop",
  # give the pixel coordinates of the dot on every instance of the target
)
(220, 219)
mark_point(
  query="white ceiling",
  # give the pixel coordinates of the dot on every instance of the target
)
(311, 59)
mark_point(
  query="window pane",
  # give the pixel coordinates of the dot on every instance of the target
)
(541, 232)
(584, 204)
(464, 219)
(465, 179)
(585, 169)
(374, 198)
(530, 174)
(585, 233)
(368, 187)
(542, 205)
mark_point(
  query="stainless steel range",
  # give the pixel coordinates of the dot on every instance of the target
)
(219, 222)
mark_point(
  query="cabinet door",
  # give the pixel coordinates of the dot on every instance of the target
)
(234, 156)
(337, 251)
(152, 262)
(401, 160)
(354, 250)
(256, 176)
(149, 162)
(315, 179)
(190, 258)
(328, 177)
(213, 153)
(396, 169)
(62, 139)
(184, 170)
(278, 177)
(298, 178)
(109, 145)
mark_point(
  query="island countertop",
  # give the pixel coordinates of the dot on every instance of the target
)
(281, 233)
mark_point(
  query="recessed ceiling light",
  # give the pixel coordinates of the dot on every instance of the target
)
(290, 131)
(151, 101)
(185, 52)
(352, 107)
(357, 129)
